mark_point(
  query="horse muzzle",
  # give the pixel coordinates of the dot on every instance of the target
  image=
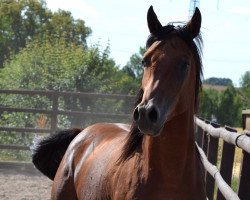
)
(149, 118)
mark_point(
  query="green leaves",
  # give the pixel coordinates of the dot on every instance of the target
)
(24, 20)
(209, 103)
(245, 89)
(65, 66)
(224, 107)
(134, 67)
(230, 107)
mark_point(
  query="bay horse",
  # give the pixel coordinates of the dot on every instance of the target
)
(156, 156)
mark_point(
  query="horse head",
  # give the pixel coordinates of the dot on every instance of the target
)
(172, 71)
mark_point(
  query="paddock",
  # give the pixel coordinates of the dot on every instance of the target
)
(17, 184)
(20, 180)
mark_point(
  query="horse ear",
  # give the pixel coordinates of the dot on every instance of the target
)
(194, 24)
(153, 23)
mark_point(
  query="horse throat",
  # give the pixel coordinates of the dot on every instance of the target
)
(171, 157)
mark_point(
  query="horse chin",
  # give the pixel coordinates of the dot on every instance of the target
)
(152, 132)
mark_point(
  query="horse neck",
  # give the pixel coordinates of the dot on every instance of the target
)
(171, 155)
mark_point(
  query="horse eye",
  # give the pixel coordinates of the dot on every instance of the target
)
(185, 65)
(143, 63)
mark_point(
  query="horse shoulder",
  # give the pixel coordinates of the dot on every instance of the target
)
(63, 186)
(96, 150)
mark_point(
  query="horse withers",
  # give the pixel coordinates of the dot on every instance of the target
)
(155, 157)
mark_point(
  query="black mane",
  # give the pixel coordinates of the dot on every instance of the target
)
(135, 137)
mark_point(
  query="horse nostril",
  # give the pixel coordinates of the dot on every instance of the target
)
(136, 114)
(153, 115)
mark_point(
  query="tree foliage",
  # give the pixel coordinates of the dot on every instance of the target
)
(218, 81)
(63, 66)
(230, 107)
(134, 67)
(209, 103)
(245, 88)
(22, 21)
(222, 107)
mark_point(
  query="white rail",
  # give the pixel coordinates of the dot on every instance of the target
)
(240, 140)
(224, 188)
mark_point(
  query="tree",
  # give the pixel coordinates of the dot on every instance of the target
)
(218, 81)
(245, 87)
(64, 66)
(224, 107)
(230, 107)
(24, 20)
(209, 103)
(62, 24)
(134, 67)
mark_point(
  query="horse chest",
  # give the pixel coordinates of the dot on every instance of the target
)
(136, 184)
(133, 181)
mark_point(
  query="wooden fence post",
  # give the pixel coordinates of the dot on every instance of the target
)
(54, 113)
(227, 161)
(244, 185)
(212, 157)
(246, 119)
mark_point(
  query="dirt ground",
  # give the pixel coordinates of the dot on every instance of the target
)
(23, 186)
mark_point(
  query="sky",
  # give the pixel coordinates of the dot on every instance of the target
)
(123, 25)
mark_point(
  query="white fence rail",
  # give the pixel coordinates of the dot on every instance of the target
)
(208, 135)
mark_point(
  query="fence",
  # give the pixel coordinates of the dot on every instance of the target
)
(79, 107)
(209, 136)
